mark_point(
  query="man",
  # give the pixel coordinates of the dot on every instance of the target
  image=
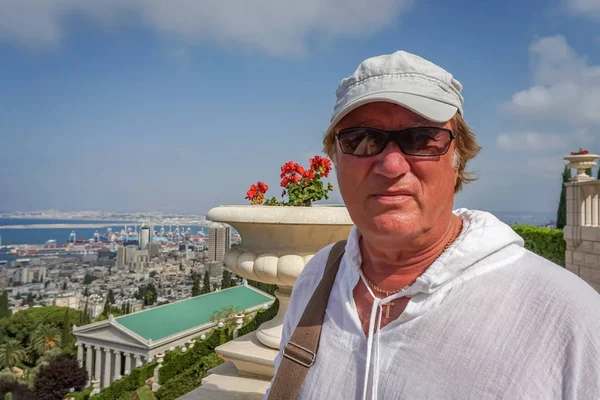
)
(427, 302)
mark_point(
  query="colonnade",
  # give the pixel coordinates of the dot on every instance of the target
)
(105, 364)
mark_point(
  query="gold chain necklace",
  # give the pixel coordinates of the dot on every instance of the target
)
(391, 292)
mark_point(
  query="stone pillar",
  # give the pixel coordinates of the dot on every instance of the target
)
(138, 359)
(88, 363)
(98, 367)
(80, 354)
(107, 365)
(127, 363)
(117, 364)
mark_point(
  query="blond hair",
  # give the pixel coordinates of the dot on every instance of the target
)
(465, 149)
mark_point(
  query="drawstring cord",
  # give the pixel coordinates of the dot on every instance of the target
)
(376, 316)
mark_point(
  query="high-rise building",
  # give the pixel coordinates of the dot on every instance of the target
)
(145, 237)
(219, 241)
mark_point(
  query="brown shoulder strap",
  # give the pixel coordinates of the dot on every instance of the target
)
(300, 352)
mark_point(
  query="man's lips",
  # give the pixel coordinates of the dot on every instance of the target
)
(394, 193)
(396, 196)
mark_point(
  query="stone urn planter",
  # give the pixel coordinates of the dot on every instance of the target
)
(277, 242)
(581, 162)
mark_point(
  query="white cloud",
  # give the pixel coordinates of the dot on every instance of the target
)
(274, 26)
(529, 142)
(585, 7)
(567, 87)
(564, 97)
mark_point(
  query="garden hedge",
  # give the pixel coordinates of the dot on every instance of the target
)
(545, 242)
(124, 388)
(177, 361)
(260, 318)
(189, 379)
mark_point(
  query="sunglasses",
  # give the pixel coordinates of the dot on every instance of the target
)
(422, 141)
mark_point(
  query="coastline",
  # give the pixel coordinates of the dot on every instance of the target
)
(62, 226)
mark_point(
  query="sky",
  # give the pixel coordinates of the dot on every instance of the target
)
(178, 106)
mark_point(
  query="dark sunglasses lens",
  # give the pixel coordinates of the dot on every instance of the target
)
(424, 142)
(362, 141)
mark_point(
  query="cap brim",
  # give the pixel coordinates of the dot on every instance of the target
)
(432, 110)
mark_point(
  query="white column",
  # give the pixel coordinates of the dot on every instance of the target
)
(117, 364)
(138, 358)
(98, 368)
(127, 363)
(80, 354)
(107, 365)
(88, 363)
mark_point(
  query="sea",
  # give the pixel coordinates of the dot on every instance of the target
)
(61, 235)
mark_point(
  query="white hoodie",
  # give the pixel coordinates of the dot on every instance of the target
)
(487, 320)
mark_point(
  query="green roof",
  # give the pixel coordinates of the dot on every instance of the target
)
(160, 322)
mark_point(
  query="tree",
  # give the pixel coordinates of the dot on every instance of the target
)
(86, 292)
(66, 337)
(147, 293)
(106, 309)
(5, 310)
(111, 296)
(196, 288)
(599, 173)
(226, 280)
(206, 283)
(128, 308)
(18, 390)
(85, 318)
(11, 353)
(561, 216)
(46, 337)
(589, 172)
(227, 315)
(30, 300)
(54, 380)
(87, 279)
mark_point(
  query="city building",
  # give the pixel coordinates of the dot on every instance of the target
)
(30, 274)
(145, 236)
(112, 348)
(71, 300)
(219, 241)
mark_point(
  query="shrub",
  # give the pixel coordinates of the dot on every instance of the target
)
(83, 395)
(260, 318)
(18, 390)
(54, 380)
(189, 379)
(177, 361)
(125, 387)
(545, 242)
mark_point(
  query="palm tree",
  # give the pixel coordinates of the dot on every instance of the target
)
(11, 353)
(44, 338)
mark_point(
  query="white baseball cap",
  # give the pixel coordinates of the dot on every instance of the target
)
(404, 79)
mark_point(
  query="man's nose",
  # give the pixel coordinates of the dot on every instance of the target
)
(391, 163)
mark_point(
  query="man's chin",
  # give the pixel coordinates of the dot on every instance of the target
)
(395, 222)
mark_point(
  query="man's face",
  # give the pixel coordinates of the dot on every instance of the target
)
(392, 194)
